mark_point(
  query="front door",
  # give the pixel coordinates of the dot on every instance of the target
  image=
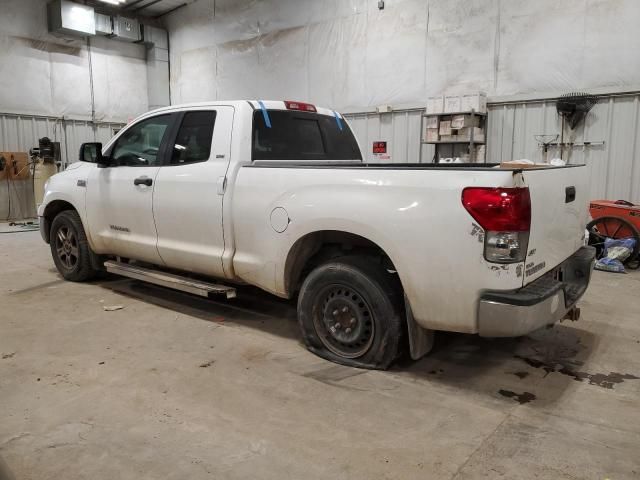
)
(120, 196)
(187, 199)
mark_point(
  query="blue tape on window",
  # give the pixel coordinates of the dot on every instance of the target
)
(265, 114)
(338, 121)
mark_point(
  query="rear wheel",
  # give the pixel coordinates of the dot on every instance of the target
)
(349, 311)
(69, 247)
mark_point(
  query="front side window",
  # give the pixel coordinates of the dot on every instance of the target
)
(193, 142)
(139, 145)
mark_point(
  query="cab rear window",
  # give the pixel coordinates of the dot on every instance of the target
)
(297, 135)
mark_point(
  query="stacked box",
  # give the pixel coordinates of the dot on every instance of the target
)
(464, 121)
(432, 121)
(435, 104)
(452, 103)
(445, 127)
(432, 135)
(476, 102)
(465, 134)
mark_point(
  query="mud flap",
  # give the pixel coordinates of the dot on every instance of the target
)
(420, 339)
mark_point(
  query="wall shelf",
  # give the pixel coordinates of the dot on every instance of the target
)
(471, 142)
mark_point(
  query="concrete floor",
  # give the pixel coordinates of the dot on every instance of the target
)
(176, 387)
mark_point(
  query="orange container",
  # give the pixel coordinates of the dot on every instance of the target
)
(617, 208)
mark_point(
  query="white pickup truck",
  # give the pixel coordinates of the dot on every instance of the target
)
(275, 194)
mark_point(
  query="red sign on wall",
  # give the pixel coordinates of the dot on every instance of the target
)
(379, 147)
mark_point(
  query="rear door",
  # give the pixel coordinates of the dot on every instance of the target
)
(189, 190)
(559, 214)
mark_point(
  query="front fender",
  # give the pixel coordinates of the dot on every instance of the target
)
(64, 189)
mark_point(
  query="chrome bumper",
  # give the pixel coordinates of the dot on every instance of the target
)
(543, 302)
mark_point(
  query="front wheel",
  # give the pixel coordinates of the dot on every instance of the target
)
(69, 247)
(349, 311)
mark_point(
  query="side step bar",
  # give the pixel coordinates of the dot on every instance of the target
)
(177, 282)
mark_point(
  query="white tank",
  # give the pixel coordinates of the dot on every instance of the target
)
(42, 172)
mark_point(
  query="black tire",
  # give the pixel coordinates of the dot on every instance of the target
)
(348, 288)
(69, 248)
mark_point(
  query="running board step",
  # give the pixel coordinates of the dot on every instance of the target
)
(169, 280)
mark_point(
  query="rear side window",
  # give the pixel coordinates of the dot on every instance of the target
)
(297, 135)
(193, 142)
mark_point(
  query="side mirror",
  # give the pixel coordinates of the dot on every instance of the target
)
(92, 153)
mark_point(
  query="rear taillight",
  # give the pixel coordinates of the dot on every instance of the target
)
(505, 215)
(304, 107)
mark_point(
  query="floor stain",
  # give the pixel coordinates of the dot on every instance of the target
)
(521, 374)
(599, 379)
(8, 355)
(207, 364)
(521, 398)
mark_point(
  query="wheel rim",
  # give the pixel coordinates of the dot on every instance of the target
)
(343, 321)
(67, 247)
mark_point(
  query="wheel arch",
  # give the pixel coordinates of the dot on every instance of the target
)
(315, 247)
(52, 209)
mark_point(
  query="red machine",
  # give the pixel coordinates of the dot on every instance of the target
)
(614, 219)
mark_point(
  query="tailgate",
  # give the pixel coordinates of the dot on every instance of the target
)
(559, 215)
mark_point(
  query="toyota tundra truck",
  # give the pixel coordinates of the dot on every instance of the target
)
(205, 197)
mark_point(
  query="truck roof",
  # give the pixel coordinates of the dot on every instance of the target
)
(255, 104)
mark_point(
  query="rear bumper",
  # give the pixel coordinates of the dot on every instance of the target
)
(542, 302)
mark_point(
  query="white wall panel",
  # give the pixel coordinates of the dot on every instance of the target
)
(42, 74)
(349, 55)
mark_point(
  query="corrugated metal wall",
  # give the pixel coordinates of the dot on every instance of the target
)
(400, 129)
(615, 166)
(511, 131)
(19, 133)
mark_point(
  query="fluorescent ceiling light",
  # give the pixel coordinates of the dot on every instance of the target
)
(114, 2)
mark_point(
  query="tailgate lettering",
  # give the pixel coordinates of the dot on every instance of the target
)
(535, 268)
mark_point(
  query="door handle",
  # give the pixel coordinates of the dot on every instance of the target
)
(143, 181)
(569, 194)
(222, 185)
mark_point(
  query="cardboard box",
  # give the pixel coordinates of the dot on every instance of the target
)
(448, 138)
(435, 104)
(431, 135)
(452, 104)
(432, 121)
(445, 127)
(464, 121)
(517, 164)
(476, 102)
(465, 134)
(480, 154)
